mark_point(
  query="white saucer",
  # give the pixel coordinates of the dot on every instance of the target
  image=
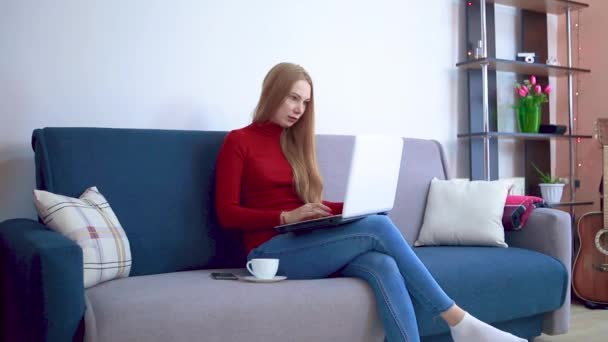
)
(257, 280)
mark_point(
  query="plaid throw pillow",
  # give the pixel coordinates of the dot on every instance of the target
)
(518, 209)
(90, 222)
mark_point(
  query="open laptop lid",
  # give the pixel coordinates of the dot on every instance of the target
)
(373, 175)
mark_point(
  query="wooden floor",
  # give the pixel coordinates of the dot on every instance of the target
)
(585, 325)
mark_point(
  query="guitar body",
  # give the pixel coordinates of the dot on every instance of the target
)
(590, 270)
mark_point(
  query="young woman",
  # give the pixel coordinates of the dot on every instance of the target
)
(268, 175)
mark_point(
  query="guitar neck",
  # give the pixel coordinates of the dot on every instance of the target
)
(605, 208)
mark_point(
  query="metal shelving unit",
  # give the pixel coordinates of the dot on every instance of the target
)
(543, 6)
(487, 63)
(525, 136)
(521, 67)
(567, 204)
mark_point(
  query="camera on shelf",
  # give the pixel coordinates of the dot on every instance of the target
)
(527, 57)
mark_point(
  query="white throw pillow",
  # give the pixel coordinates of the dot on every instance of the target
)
(463, 212)
(90, 222)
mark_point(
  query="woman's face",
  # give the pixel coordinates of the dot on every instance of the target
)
(293, 106)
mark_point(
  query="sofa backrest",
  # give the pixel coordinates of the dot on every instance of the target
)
(160, 184)
(421, 161)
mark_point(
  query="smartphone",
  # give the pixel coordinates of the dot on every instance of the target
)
(224, 276)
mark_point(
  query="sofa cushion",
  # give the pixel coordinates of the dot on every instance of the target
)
(160, 184)
(494, 284)
(191, 306)
(90, 222)
(463, 212)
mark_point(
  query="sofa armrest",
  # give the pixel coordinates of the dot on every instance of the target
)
(41, 284)
(549, 231)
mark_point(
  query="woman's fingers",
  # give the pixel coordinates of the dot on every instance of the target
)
(321, 213)
(312, 211)
(315, 212)
(323, 207)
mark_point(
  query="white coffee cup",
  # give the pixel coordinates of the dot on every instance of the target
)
(263, 268)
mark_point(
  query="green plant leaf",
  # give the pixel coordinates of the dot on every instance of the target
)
(545, 178)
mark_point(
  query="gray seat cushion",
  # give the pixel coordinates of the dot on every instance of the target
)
(195, 307)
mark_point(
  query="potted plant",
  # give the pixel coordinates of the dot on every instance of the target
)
(551, 188)
(530, 96)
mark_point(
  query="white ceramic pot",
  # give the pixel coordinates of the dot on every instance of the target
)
(551, 193)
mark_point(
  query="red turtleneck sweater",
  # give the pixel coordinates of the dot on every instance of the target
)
(254, 183)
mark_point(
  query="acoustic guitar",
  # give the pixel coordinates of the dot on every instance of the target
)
(590, 270)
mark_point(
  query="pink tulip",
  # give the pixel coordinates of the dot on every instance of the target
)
(523, 91)
(533, 80)
(538, 89)
(548, 89)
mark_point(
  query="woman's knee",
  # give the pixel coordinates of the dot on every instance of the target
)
(377, 262)
(381, 226)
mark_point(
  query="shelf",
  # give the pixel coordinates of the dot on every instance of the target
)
(523, 68)
(543, 6)
(567, 204)
(523, 136)
(483, 92)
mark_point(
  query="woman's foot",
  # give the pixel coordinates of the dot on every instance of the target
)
(470, 329)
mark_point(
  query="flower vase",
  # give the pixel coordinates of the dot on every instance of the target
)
(528, 117)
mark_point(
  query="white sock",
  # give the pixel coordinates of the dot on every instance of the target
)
(470, 329)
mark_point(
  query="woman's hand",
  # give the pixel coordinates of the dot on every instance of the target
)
(306, 212)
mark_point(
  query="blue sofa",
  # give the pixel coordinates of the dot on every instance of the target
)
(160, 184)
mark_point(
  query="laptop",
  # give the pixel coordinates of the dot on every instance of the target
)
(371, 184)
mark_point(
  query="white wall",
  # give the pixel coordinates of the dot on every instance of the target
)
(508, 27)
(379, 67)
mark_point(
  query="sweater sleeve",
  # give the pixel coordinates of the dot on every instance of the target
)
(336, 207)
(228, 176)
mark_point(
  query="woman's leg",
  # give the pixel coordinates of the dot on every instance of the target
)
(362, 246)
(393, 302)
(324, 251)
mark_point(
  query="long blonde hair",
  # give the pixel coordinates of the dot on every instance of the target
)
(297, 141)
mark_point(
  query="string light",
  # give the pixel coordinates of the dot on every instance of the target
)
(577, 25)
(469, 3)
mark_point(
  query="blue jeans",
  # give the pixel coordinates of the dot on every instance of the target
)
(372, 249)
